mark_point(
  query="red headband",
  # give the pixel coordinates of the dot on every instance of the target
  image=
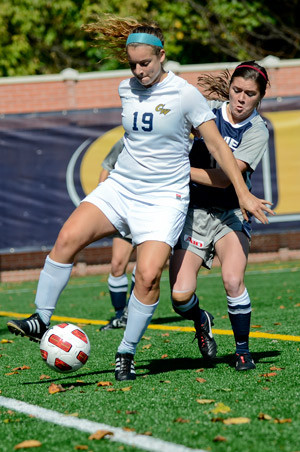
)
(255, 68)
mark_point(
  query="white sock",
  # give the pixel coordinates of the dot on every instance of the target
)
(139, 317)
(240, 304)
(53, 279)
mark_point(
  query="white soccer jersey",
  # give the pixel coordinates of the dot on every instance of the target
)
(154, 163)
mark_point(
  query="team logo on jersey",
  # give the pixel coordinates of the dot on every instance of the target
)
(162, 110)
(197, 243)
(232, 143)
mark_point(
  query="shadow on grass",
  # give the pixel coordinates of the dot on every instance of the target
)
(257, 357)
(4, 332)
(156, 366)
(70, 377)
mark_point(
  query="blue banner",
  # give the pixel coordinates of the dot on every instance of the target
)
(48, 162)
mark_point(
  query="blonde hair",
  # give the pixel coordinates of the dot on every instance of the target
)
(215, 87)
(112, 32)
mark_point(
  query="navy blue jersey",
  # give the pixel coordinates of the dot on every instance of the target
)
(202, 195)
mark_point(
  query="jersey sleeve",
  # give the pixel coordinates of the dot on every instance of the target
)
(111, 158)
(254, 143)
(195, 106)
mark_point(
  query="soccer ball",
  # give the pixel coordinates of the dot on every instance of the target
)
(65, 347)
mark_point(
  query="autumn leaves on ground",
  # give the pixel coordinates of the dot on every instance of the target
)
(176, 397)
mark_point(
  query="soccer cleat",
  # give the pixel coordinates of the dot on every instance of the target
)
(32, 327)
(115, 323)
(244, 361)
(124, 367)
(206, 343)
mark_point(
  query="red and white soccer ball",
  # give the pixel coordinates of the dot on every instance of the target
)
(65, 347)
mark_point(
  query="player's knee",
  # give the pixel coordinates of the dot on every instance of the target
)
(148, 278)
(118, 267)
(233, 284)
(67, 242)
(181, 297)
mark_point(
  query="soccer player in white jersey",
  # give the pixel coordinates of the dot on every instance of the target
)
(214, 223)
(121, 252)
(147, 194)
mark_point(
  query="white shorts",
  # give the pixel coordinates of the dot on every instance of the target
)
(142, 219)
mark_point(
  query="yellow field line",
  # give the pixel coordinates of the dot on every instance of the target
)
(188, 329)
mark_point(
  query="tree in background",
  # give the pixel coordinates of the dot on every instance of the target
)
(44, 36)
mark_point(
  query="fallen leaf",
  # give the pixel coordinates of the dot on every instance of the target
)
(104, 383)
(53, 388)
(219, 438)
(147, 433)
(277, 323)
(221, 408)
(44, 377)
(164, 356)
(168, 334)
(200, 370)
(276, 368)
(236, 420)
(127, 388)
(21, 368)
(127, 429)
(264, 417)
(282, 307)
(81, 447)
(99, 434)
(27, 444)
(146, 338)
(282, 421)
(200, 380)
(12, 373)
(180, 420)
(269, 374)
(205, 401)
(217, 419)
(131, 412)
(164, 381)
(255, 326)
(6, 341)
(147, 346)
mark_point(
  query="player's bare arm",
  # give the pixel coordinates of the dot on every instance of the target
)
(215, 177)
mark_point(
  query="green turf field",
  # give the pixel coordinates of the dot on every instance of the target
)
(177, 399)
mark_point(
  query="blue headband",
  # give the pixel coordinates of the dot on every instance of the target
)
(144, 38)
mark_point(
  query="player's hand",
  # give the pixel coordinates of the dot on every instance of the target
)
(257, 207)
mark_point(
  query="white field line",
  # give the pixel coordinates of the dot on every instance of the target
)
(133, 439)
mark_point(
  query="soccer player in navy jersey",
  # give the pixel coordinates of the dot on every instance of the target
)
(214, 223)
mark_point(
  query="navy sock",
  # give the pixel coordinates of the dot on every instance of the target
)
(118, 286)
(191, 310)
(241, 326)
